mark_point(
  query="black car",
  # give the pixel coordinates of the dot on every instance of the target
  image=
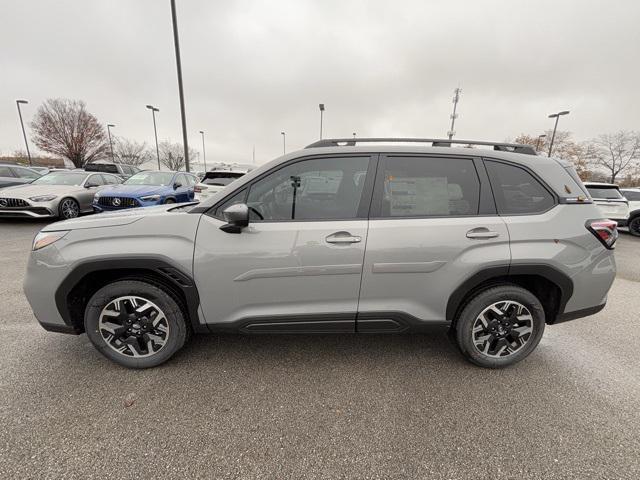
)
(125, 171)
(15, 175)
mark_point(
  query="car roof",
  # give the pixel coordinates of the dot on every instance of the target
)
(600, 184)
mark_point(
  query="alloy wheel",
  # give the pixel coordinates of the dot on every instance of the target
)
(133, 326)
(634, 226)
(69, 208)
(502, 329)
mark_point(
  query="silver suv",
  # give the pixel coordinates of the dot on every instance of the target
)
(385, 236)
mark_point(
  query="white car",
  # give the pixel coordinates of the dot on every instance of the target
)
(218, 178)
(633, 197)
(610, 201)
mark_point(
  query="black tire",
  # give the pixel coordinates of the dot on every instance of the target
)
(170, 200)
(177, 330)
(68, 208)
(469, 319)
(634, 226)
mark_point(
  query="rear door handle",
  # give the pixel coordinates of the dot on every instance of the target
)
(481, 233)
(343, 237)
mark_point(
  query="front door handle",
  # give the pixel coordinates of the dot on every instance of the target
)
(343, 237)
(482, 233)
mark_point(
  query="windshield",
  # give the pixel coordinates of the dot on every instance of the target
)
(611, 193)
(220, 178)
(150, 178)
(60, 178)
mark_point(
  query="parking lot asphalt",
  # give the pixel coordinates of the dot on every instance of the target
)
(347, 406)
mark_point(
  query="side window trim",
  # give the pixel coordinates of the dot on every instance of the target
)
(545, 186)
(363, 206)
(376, 204)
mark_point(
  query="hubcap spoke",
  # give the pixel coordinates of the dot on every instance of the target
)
(133, 326)
(502, 328)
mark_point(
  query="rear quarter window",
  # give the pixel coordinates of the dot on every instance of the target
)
(516, 191)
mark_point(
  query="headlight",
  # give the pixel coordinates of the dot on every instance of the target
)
(150, 198)
(43, 239)
(43, 198)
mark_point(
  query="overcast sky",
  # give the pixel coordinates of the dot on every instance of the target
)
(383, 68)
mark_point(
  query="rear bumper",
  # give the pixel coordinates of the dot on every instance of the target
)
(585, 312)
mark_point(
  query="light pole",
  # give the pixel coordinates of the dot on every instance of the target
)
(321, 112)
(540, 137)
(155, 130)
(284, 142)
(204, 153)
(553, 135)
(454, 115)
(180, 89)
(109, 125)
(26, 144)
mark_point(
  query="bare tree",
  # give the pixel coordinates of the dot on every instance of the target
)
(564, 147)
(616, 152)
(172, 155)
(65, 128)
(130, 152)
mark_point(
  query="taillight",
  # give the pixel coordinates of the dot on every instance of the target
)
(605, 230)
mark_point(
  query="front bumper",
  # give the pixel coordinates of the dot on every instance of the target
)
(27, 212)
(46, 269)
(25, 208)
(100, 207)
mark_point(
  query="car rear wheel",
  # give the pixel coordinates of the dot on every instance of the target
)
(634, 226)
(68, 208)
(169, 200)
(500, 326)
(135, 324)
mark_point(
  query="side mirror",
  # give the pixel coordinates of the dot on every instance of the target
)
(91, 185)
(177, 185)
(237, 217)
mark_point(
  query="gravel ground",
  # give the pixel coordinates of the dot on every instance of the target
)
(321, 406)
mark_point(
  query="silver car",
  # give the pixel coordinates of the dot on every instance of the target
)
(16, 175)
(56, 194)
(493, 244)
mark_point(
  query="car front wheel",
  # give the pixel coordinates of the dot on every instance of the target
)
(69, 208)
(500, 326)
(135, 324)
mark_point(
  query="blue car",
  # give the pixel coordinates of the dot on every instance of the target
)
(146, 189)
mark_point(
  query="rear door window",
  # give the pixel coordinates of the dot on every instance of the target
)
(610, 193)
(427, 187)
(516, 191)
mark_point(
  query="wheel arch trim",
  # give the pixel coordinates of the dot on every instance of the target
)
(158, 267)
(503, 272)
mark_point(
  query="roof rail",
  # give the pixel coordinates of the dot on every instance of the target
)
(435, 142)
